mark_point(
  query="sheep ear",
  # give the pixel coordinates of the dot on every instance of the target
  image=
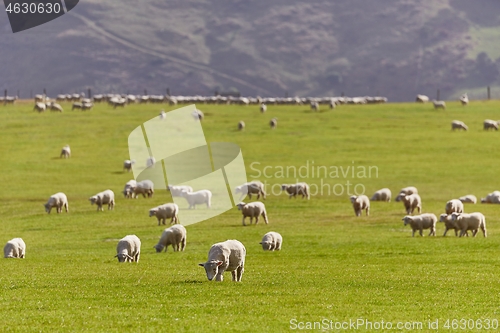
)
(115, 256)
(202, 265)
(219, 263)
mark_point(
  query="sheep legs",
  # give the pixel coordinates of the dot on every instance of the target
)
(237, 274)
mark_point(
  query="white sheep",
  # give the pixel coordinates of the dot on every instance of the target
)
(198, 198)
(15, 248)
(251, 210)
(241, 125)
(382, 195)
(271, 241)
(449, 224)
(421, 99)
(464, 99)
(175, 236)
(263, 108)
(163, 115)
(294, 189)
(314, 106)
(87, 106)
(145, 187)
(65, 152)
(150, 162)
(225, 256)
(58, 200)
(493, 197)
(420, 222)
(468, 199)
(405, 191)
(128, 249)
(127, 165)
(76, 105)
(40, 107)
(197, 115)
(253, 187)
(56, 107)
(458, 125)
(411, 202)
(176, 191)
(472, 221)
(332, 104)
(164, 212)
(360, 203)
(106, 197)
(439, 104)
(454, 206)
(273, 123)
(490, 124)
(128, 190)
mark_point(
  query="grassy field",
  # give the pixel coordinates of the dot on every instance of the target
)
(333, 266)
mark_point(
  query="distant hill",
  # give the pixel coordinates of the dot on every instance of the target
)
(392, 48)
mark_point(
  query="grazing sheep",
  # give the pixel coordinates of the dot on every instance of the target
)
(128, 249)
(40, 107)
(420, 222)
(411, 202)
(176, 191)
(164, 212)
(464, 99)
(241, 125)
(145, 187)
(58, 200)
(458, 125)
(493, 197)
(251, 210)
(225, 256)
(15, 248)
(253, 187)
(103, 198)
(314, 106)
(439, 104)
(263, 108)
(150, 162)
(472, 221)
(163, 115)
(197, 115)
(56, 107)
(87, 106)
(273, 123)
(271, 241)
(468, 199)
(405, 191)
(449, 224)
(175, 236)
(360, 203)
(198, 198)
(127, 165)
(128, 191)
(294, 189)
(76, 105)
(421, 99)
(332, 104)
(490, 124)
(382, 195)
(454, 206)
(65, 152)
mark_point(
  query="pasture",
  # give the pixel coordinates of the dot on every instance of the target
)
(333, 265)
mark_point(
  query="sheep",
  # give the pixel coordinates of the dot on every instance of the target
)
(454, 206)
(197, 115)
(253, 187)
(406, 190)
(87, 106)
(76, 105)
(198, 198)
(421, 99)
(411, 202)
(127, 165)
(164, 212)
(273, 123)
(271, 241)
(65, 152)
(103, 198)
(251, 210)
(176, 191)
(490, 124)
(464, 99)
(493, 197)
(150, 162)
(15, 248)
(128, 249)
(332, 104)
(439, 104)
(40, 107)
(472, 221)
(263, 108)
(241, 125)
(128, 190)
(468, 199)
(56, 107)
(58, 200)
(449, 224)
(457, 124)
(225, 256)
(360, 203)
(314, 106)
(163, 115)
(145, 187)
(420, 222)
(294, 189)
(175, 236)
(382, 195)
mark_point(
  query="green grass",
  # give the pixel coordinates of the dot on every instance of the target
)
(332, 266)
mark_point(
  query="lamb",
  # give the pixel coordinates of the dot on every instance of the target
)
(468, 199)
(175, 236)
(360, 203)
(103, 198)
(294, 189)
(164, 212)
(76, 105)
(421, 99)
(241, 125)
(449, 224)
(253, 209)
(225, 256)
(40, 107)
(163, 115)
(273, 123)
(128, 249)
(472, 221)
(454, 206)
(439, 104)
(128, 191)
(58, 200)
(253, 187)
(197, 115)
(87, 106)
(145, 187)
(56, 107)
(420, 222)
(263, 108)
(493, 197)
(405, 191)
(490, 124)
(65, 152)
(458, 125)
(411, 202)
(198, 198)
(314, 106)
(176, 191)
(127, 165)
(271, 241)
(150, 162)
(382, 195)
(332, 104)
(464, 99)
(15, 248)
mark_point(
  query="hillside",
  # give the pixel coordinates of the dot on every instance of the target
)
(395, 49)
